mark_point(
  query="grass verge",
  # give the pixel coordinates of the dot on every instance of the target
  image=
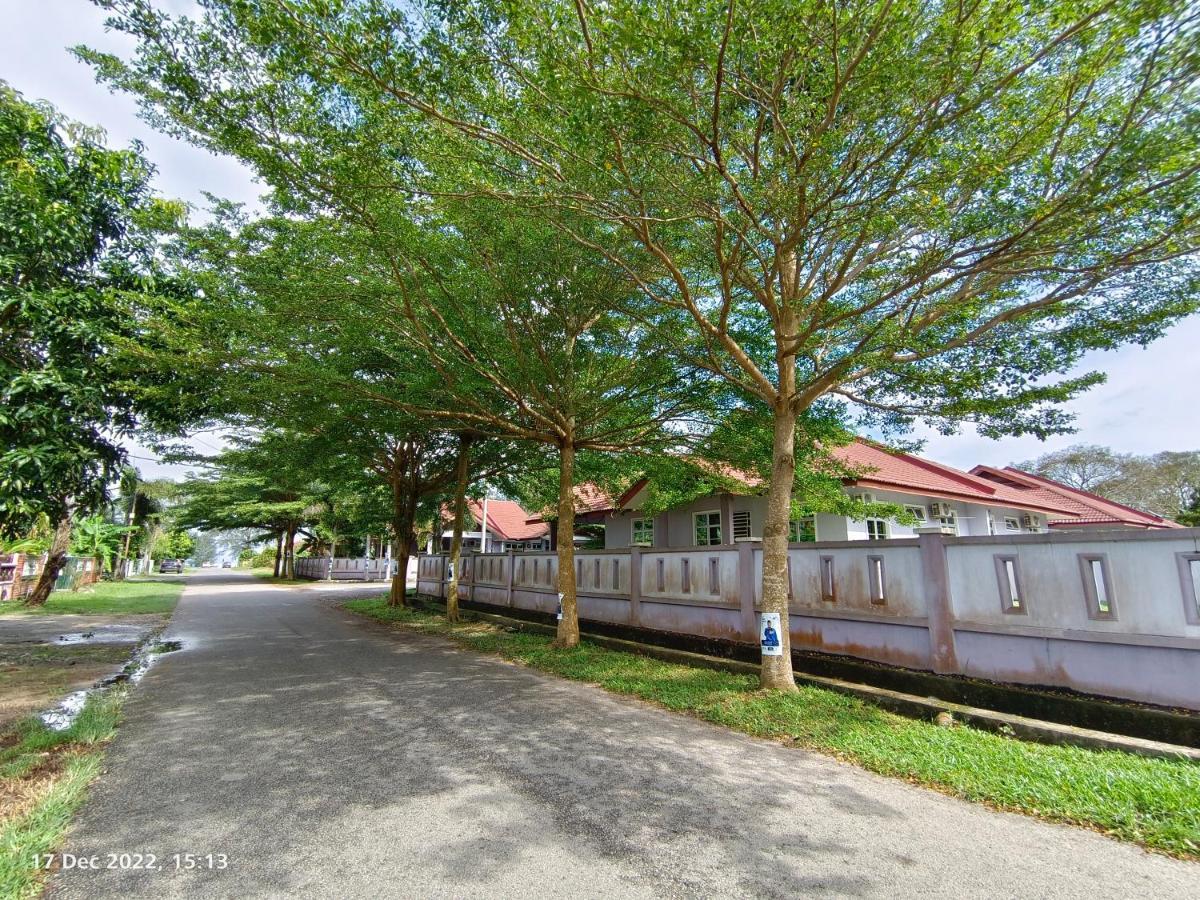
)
(129, 597)
(44, 776)
(268, 575)
(1152, 802)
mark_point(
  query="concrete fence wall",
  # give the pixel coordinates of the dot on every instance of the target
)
(348, 568)
(1111, 613)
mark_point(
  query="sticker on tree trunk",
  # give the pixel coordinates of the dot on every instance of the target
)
(560, 600)
(768, 633)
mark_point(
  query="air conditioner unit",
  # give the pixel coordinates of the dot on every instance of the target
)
(940, 510)
(1029, 521)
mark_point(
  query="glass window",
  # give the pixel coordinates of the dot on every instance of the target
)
(707, 528)
(802, 529)
(877, 529)
(643, 532)
(1011, 523)
(917, 512)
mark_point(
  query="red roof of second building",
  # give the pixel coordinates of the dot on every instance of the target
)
(1086, 508)
(508, 520)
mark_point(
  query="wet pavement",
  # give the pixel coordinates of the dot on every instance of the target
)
(77, 629)
(293, 750)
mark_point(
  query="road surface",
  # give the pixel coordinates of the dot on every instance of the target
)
(325, 756)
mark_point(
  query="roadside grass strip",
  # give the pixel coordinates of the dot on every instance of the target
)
(1149, 801)
(44, 776)
(129, 597)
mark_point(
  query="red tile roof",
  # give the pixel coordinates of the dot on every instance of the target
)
(1085, 507)
(589, 498)
(508, 520)
(891, 470)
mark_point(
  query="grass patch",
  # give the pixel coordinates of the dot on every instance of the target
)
(268, 575)
(44, 776)
(129, 597)
(1152, 802)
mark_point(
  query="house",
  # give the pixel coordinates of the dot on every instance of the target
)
(1088, 510)
(935, 494)
(509, 527)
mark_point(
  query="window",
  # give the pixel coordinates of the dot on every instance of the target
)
(1012, 523)
(918, 513)
(803, 529)
(875, 579)
(741, 524)
(1008, 576)
(950, 521)
(643, 532)
(1189, 582)
(877, 529)
(1097, 586)
(707, 528)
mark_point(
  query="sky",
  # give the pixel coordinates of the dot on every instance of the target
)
(1147, 405)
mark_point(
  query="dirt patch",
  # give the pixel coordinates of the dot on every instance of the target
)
(33, 677)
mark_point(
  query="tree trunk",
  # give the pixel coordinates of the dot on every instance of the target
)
(123, 556)
(278, 552)
(777, 670)
(461, 477)
(54, 563)
(289, 554)
(405, 508)
(568, 625)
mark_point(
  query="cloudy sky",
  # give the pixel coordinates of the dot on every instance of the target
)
(1147, 405)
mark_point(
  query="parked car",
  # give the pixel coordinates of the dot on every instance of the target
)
(170, 566)
(227, 565)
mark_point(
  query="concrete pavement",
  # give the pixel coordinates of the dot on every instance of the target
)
(326, 756)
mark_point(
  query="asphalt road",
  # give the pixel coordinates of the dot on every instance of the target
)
(325, 756)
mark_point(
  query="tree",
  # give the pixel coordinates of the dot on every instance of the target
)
(176, 544)
(1088, 467)
(927, 210)
(1165, 483)
(77, 226)
(97, 538)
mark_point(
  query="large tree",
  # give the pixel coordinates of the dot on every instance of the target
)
(930, 210)
(77, 222)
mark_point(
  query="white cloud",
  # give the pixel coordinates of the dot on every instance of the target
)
(34, 60)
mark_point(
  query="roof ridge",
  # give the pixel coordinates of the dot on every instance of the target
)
(966, 478)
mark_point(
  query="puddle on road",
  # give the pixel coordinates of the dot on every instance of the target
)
(60, 717)
(105, 634)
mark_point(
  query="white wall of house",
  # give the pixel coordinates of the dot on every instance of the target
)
(970, 519)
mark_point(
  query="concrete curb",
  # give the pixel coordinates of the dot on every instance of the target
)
(910, 705)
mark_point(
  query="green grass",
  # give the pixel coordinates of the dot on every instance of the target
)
(130, 597)
(56, 767)
(1152, 802)
(268, 575)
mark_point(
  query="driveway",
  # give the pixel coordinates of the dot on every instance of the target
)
(325, 756)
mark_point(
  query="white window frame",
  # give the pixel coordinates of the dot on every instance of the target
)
(709, 524)
(880, 524)
(794, 530)
(646, 525)
(950, 521)
(1012, 523)
(918, 511)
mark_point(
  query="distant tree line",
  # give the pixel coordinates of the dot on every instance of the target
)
(1166, 483)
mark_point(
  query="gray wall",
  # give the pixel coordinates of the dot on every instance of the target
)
(946, 603)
